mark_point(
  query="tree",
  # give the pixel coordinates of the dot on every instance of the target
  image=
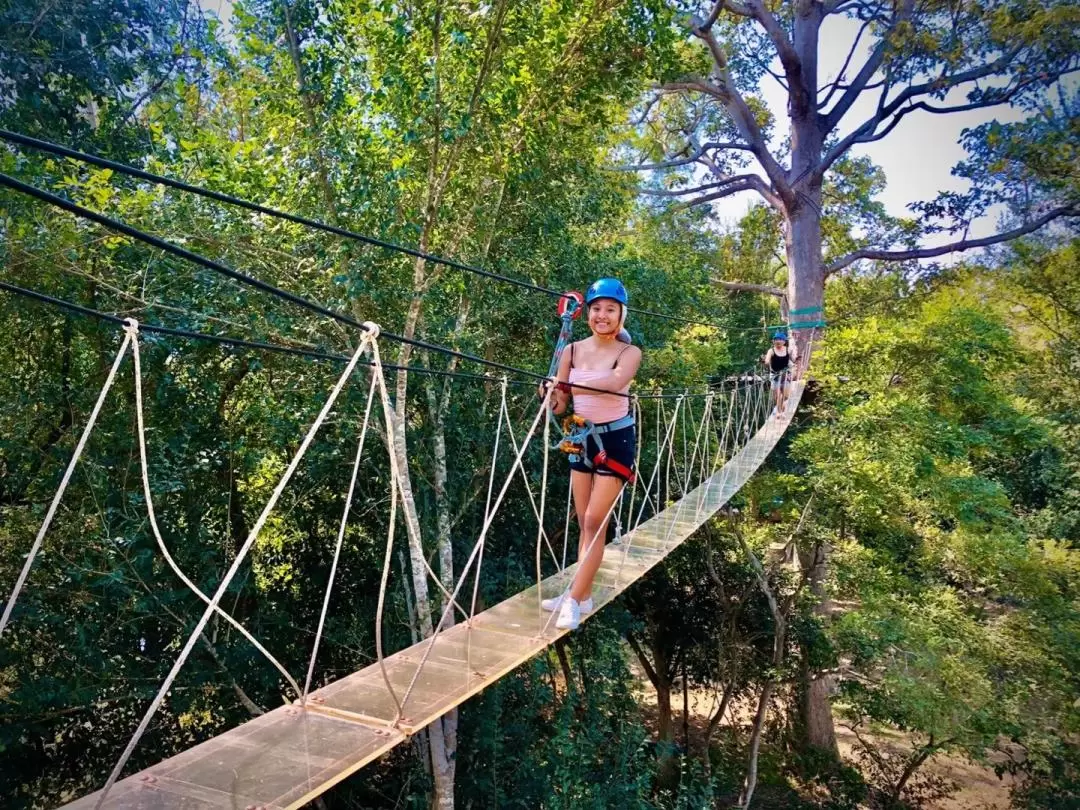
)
(705, 135)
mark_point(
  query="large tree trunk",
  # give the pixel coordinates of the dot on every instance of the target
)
(815, 711)
(663, 708)
(802, 232)
(806, 280)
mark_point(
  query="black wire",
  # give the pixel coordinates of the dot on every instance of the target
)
(62, 151)
(314, 354)
(217, 267)
(238, 342)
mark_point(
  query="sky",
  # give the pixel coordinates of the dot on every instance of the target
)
(917, 157)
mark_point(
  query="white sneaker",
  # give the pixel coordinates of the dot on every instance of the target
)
(555, 602)
(569, 615)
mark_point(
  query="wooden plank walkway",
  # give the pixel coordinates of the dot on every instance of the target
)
(289, 756)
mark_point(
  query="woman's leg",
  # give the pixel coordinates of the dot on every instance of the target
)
(581, 484)
(605, 489)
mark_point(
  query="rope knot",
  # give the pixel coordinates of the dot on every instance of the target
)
(373, 328)
(131, 325)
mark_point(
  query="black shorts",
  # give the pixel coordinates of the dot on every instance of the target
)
(620, 445)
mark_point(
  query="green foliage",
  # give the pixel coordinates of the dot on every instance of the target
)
(941, 447)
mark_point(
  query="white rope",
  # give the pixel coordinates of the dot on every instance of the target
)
(51, 513)
(528, 486)
(365, 340)
(673, 461)
(566, 526)
(131, 326)
(697, 443)
(702, 427)
(491, 485)
(638, 479)
(388, 419)
(721, 458)
(540, 534)
(688, 413)
(668, 434)
(637, 458)
(668, 439)
(340, 539)
(478, 546)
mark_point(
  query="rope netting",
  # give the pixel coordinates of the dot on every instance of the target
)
(681, 445)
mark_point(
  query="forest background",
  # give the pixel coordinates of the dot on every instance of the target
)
(927, 500)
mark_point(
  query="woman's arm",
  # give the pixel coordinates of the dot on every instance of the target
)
(559, 398)
(767, 357)
(618, 378)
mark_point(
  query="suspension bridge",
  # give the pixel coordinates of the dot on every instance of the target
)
(287, 757)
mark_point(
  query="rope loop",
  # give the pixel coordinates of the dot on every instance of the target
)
(372, 329)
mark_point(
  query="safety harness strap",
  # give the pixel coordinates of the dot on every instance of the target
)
(601, 460)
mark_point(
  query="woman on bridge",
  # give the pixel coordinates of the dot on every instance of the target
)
(606, 365)
(781, 360)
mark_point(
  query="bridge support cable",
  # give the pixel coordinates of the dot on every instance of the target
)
(68, 471)
(132, 328)
(491, 487)
(340, 538)
(157, 179)
(370, 331)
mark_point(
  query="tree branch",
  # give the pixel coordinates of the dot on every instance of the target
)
(836, 85)
(743, 118)
(674, 161)
(789, 58)
(869, 68)
(680, 192)
(894, 111)
(952, 247)
(644, 659)
(727, 191)
(741, 286)
(724, 5)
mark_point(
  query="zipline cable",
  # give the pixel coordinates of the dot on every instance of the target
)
(314, 354)
(296, 351)
(243, 278)
(132, 171)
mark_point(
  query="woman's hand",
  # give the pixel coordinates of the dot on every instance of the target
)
(559, 399)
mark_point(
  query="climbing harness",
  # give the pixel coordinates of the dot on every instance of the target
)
(576, 432)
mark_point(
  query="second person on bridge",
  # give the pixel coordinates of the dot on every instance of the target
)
(596, 373)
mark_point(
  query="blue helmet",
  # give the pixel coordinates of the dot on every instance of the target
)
(607, 288)
(779, 335)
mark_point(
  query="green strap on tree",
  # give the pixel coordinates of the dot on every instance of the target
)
(805, 311)
(801, 325)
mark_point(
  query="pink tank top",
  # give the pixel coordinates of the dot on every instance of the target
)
(596, 407)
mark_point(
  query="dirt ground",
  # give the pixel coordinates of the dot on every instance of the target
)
(978, 786)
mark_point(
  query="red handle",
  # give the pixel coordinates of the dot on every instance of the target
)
(566, 298)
